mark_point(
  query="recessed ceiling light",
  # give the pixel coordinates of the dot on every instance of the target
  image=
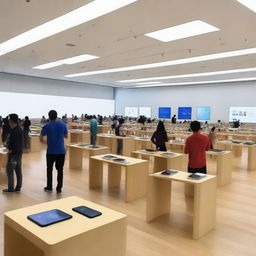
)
(224, 72)
(200, 82)
(74, 18)
(171, 63)
(251, 4)
(69, 61)
(193, 28)
(148, 83)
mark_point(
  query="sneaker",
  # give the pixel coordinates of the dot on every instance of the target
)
(17, 190)
(47, 189)
(8, 190)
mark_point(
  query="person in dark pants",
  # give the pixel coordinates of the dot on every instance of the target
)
(196, 146)
(15, 149)
(119, 132)
(159, 137)
(26, 130)
(56, 132)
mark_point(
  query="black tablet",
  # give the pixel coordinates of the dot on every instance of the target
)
(87, 212)
(44, 219)
(109, 157)
(119, 160)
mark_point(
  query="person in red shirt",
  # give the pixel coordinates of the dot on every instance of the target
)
(196, 146)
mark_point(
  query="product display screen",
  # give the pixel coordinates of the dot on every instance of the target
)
(132, 111)
(164, 113)
(184, 113)
(145, 111)
(243, 114)
(204, 113)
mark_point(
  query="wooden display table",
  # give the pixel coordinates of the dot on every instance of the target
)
(237, 151)
(159, 198)
(77, 136)
(79, 236)
(136, 172)
(224, 166)
(34, 143)
(3, 158)
(110, 141)
(161, 160)
(143, 143)
(76, 154)
(175, 146)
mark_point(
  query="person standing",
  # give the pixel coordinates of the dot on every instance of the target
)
(212, 137)
(15, 149)
(174, 119)
(196, 146)
(56, 132)
(119, 132)
(26, 130)
(159, 137)
(93, 130)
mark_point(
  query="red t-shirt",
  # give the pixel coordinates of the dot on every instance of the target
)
(196, 145)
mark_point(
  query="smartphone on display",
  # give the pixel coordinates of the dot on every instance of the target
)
(88, 212)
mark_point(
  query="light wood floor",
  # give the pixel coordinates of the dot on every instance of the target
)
(235, 233)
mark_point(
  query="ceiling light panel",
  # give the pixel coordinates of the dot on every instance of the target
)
(251, 4)
(86, 13)
(193, 28)
(69, 61)
(170, 63)
(224, 72)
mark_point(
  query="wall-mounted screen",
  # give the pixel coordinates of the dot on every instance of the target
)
(145, 111)
(36, 105)
(244, 114)
(132, 111)
(164, 113)
(184, 113)
(204, 113)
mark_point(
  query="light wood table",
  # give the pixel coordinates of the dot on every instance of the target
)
(136, 172)
(159, 198)
(110, 141)
(79, 136)
(78, 236)
(76, 154)
(34, 143)
(143, 143)
(237, 151)
(161, 160)
(223, 166)
(175, 146)
(3, 157)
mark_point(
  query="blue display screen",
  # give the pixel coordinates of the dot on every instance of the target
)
(184, 113)
(204, 113)
(164, 113)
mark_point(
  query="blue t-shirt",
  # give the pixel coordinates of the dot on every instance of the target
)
(55, 132)
(94, 126)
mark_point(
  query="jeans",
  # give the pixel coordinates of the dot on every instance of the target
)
(59, 163)
(200, 170)
(93, 139)
(14, 164)
(26, 138)
(119, 147)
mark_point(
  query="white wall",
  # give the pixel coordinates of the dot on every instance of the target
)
(36, 96)
(217, 96)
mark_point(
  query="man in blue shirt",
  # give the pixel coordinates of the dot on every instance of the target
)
(55, 132)
(93, 130)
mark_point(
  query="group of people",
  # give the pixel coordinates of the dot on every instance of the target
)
(196, 145)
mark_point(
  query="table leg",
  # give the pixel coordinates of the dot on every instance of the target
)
(224, 169)
(160, 164)
(251, 158)
(136, 181)
(114, 175)
(75, 158)
(204, 218)
(158, 198)
(237, 151)
(95, 173)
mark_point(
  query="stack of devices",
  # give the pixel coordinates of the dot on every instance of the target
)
(44, 219)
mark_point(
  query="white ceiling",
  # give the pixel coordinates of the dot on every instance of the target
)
(118, 38)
